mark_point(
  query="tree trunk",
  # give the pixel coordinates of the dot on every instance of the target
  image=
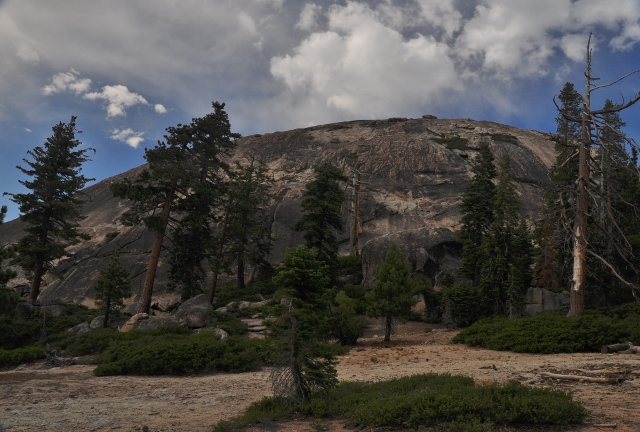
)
(582, 205)
(37, 279)
(216, 264)
(387, 328)
(241, 284)
(147, 290)
(356, 213)
(105, 324)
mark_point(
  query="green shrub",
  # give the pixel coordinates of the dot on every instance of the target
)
(553, 332)
(8, 302)
(418, 401)
(20, 356)
(344, 324)
(16, 333)
(230, 323)
(180, 355)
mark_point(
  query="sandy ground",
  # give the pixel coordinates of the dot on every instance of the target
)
(35, 398)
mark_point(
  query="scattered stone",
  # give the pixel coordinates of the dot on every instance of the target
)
(429, 117)
(156, 321)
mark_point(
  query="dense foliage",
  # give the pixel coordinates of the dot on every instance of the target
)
(451, 402)
(553, 332)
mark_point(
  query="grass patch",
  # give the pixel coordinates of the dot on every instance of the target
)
(20, 356)
(453, 143)
(419, 401)
(553, 332)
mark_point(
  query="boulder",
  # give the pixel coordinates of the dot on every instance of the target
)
(81, 328)
(157, 321)
(429, 250)
(253, 305)
(542, 300)
(131, 322)
(195, 312)
(115, 321)
(414, 175)
(131, 309)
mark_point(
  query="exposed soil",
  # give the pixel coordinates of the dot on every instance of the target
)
(36, 398)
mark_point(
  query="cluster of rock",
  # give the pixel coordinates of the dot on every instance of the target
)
(195, 313)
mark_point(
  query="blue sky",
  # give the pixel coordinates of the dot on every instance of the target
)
(128, 70)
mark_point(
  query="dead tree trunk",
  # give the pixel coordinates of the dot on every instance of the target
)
(582, 203)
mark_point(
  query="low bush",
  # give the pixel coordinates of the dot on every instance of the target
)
(230, 323)
(180, 355)
(553, 332)
(419, 401)
(20, 356)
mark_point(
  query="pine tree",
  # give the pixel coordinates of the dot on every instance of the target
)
(249, 230)
(112, 287)
(477, 213)
(392, 294)
(189, 162)
(322, 207)
(52, 208)
(303, 364)
(505, 274)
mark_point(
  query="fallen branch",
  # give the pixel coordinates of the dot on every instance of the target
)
(599, 380)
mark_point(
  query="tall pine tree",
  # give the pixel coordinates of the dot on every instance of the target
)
(52, 208)
(322, 207)
(477, 213)
(505, 274)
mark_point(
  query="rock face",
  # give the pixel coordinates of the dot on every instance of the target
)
(413, 172)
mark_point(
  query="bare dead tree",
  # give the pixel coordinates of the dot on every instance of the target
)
(594, 144)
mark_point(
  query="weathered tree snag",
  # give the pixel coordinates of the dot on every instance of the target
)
(582, 203)
(583, 378)
(147, 291)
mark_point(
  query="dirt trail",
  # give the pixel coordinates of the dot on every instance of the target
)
(33, 398)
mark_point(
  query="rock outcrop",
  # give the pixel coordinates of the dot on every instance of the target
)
(413, 172)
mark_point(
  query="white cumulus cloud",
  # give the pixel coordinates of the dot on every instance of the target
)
(308, 17)
(159, 108)
(360, 66)
(118, 98)
(128, 136)
(67, 81)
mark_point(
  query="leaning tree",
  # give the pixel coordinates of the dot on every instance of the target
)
(600, 141)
